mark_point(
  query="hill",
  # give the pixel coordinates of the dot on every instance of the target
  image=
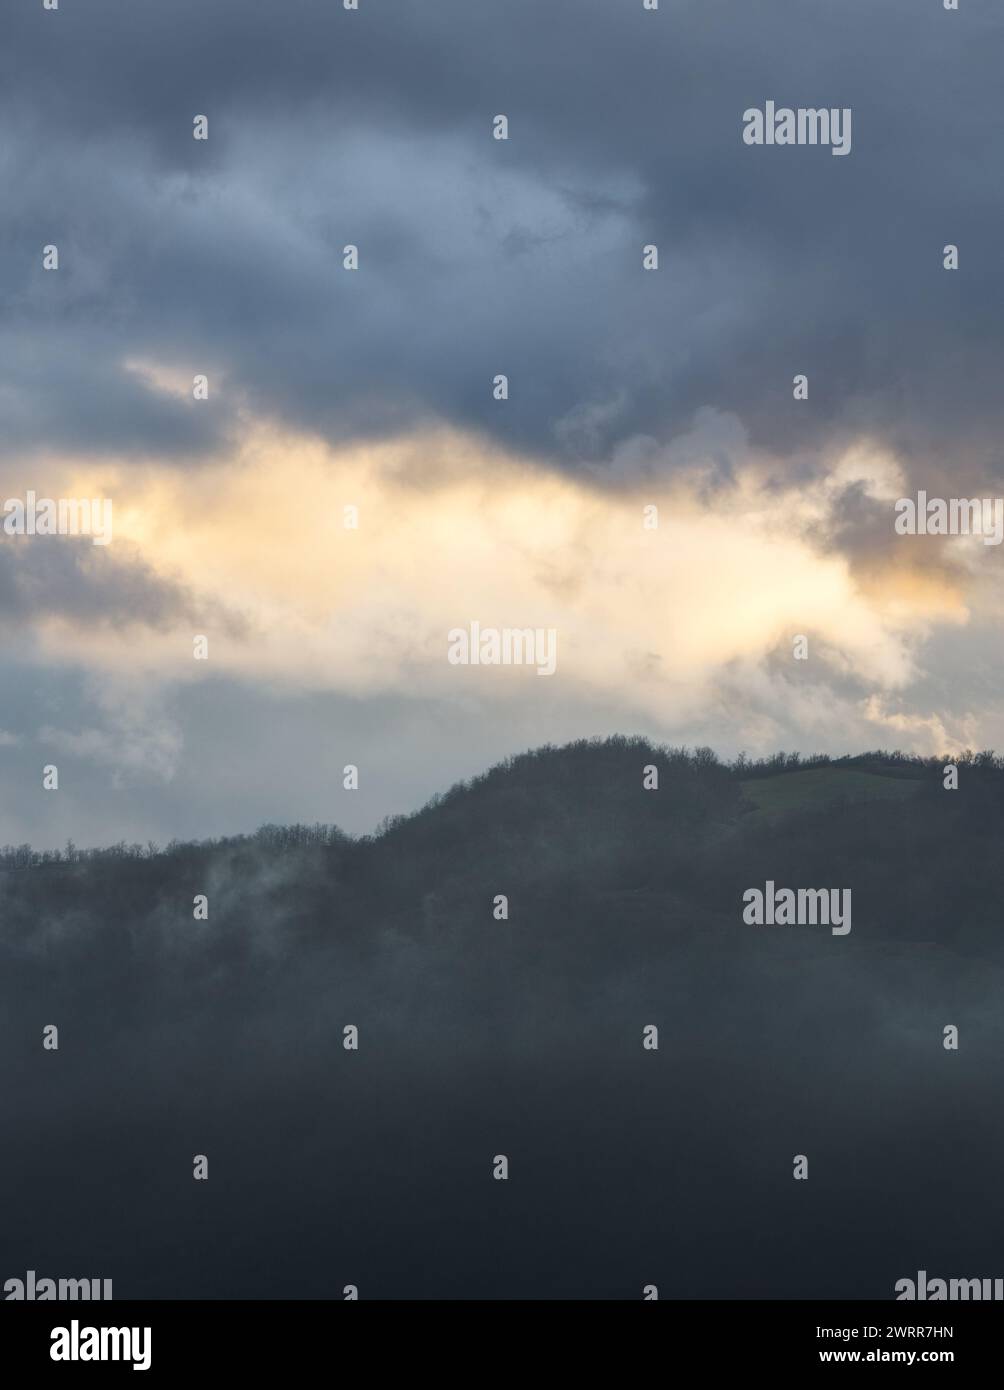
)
(526, 1034)
(818, 785)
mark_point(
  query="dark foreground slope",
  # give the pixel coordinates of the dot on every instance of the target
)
(480, 1037)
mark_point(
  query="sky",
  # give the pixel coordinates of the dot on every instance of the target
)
(373, 388)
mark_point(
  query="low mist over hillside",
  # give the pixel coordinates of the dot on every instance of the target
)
(505, 954)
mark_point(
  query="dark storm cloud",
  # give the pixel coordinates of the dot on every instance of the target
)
(329, 127)
(70, 578)
(862, 528)
(64, 389)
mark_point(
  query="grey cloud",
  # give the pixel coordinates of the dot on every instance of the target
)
(373, 127)
(71, 578)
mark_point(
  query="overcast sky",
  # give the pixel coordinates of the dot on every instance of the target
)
(372, 388)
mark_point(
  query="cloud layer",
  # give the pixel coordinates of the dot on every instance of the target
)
(330, 387)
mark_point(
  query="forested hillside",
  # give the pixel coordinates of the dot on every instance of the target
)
(504, 955)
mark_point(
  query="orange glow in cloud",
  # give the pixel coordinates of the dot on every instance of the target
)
(452, 531)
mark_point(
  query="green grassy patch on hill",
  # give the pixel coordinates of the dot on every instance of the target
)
(815, 786)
